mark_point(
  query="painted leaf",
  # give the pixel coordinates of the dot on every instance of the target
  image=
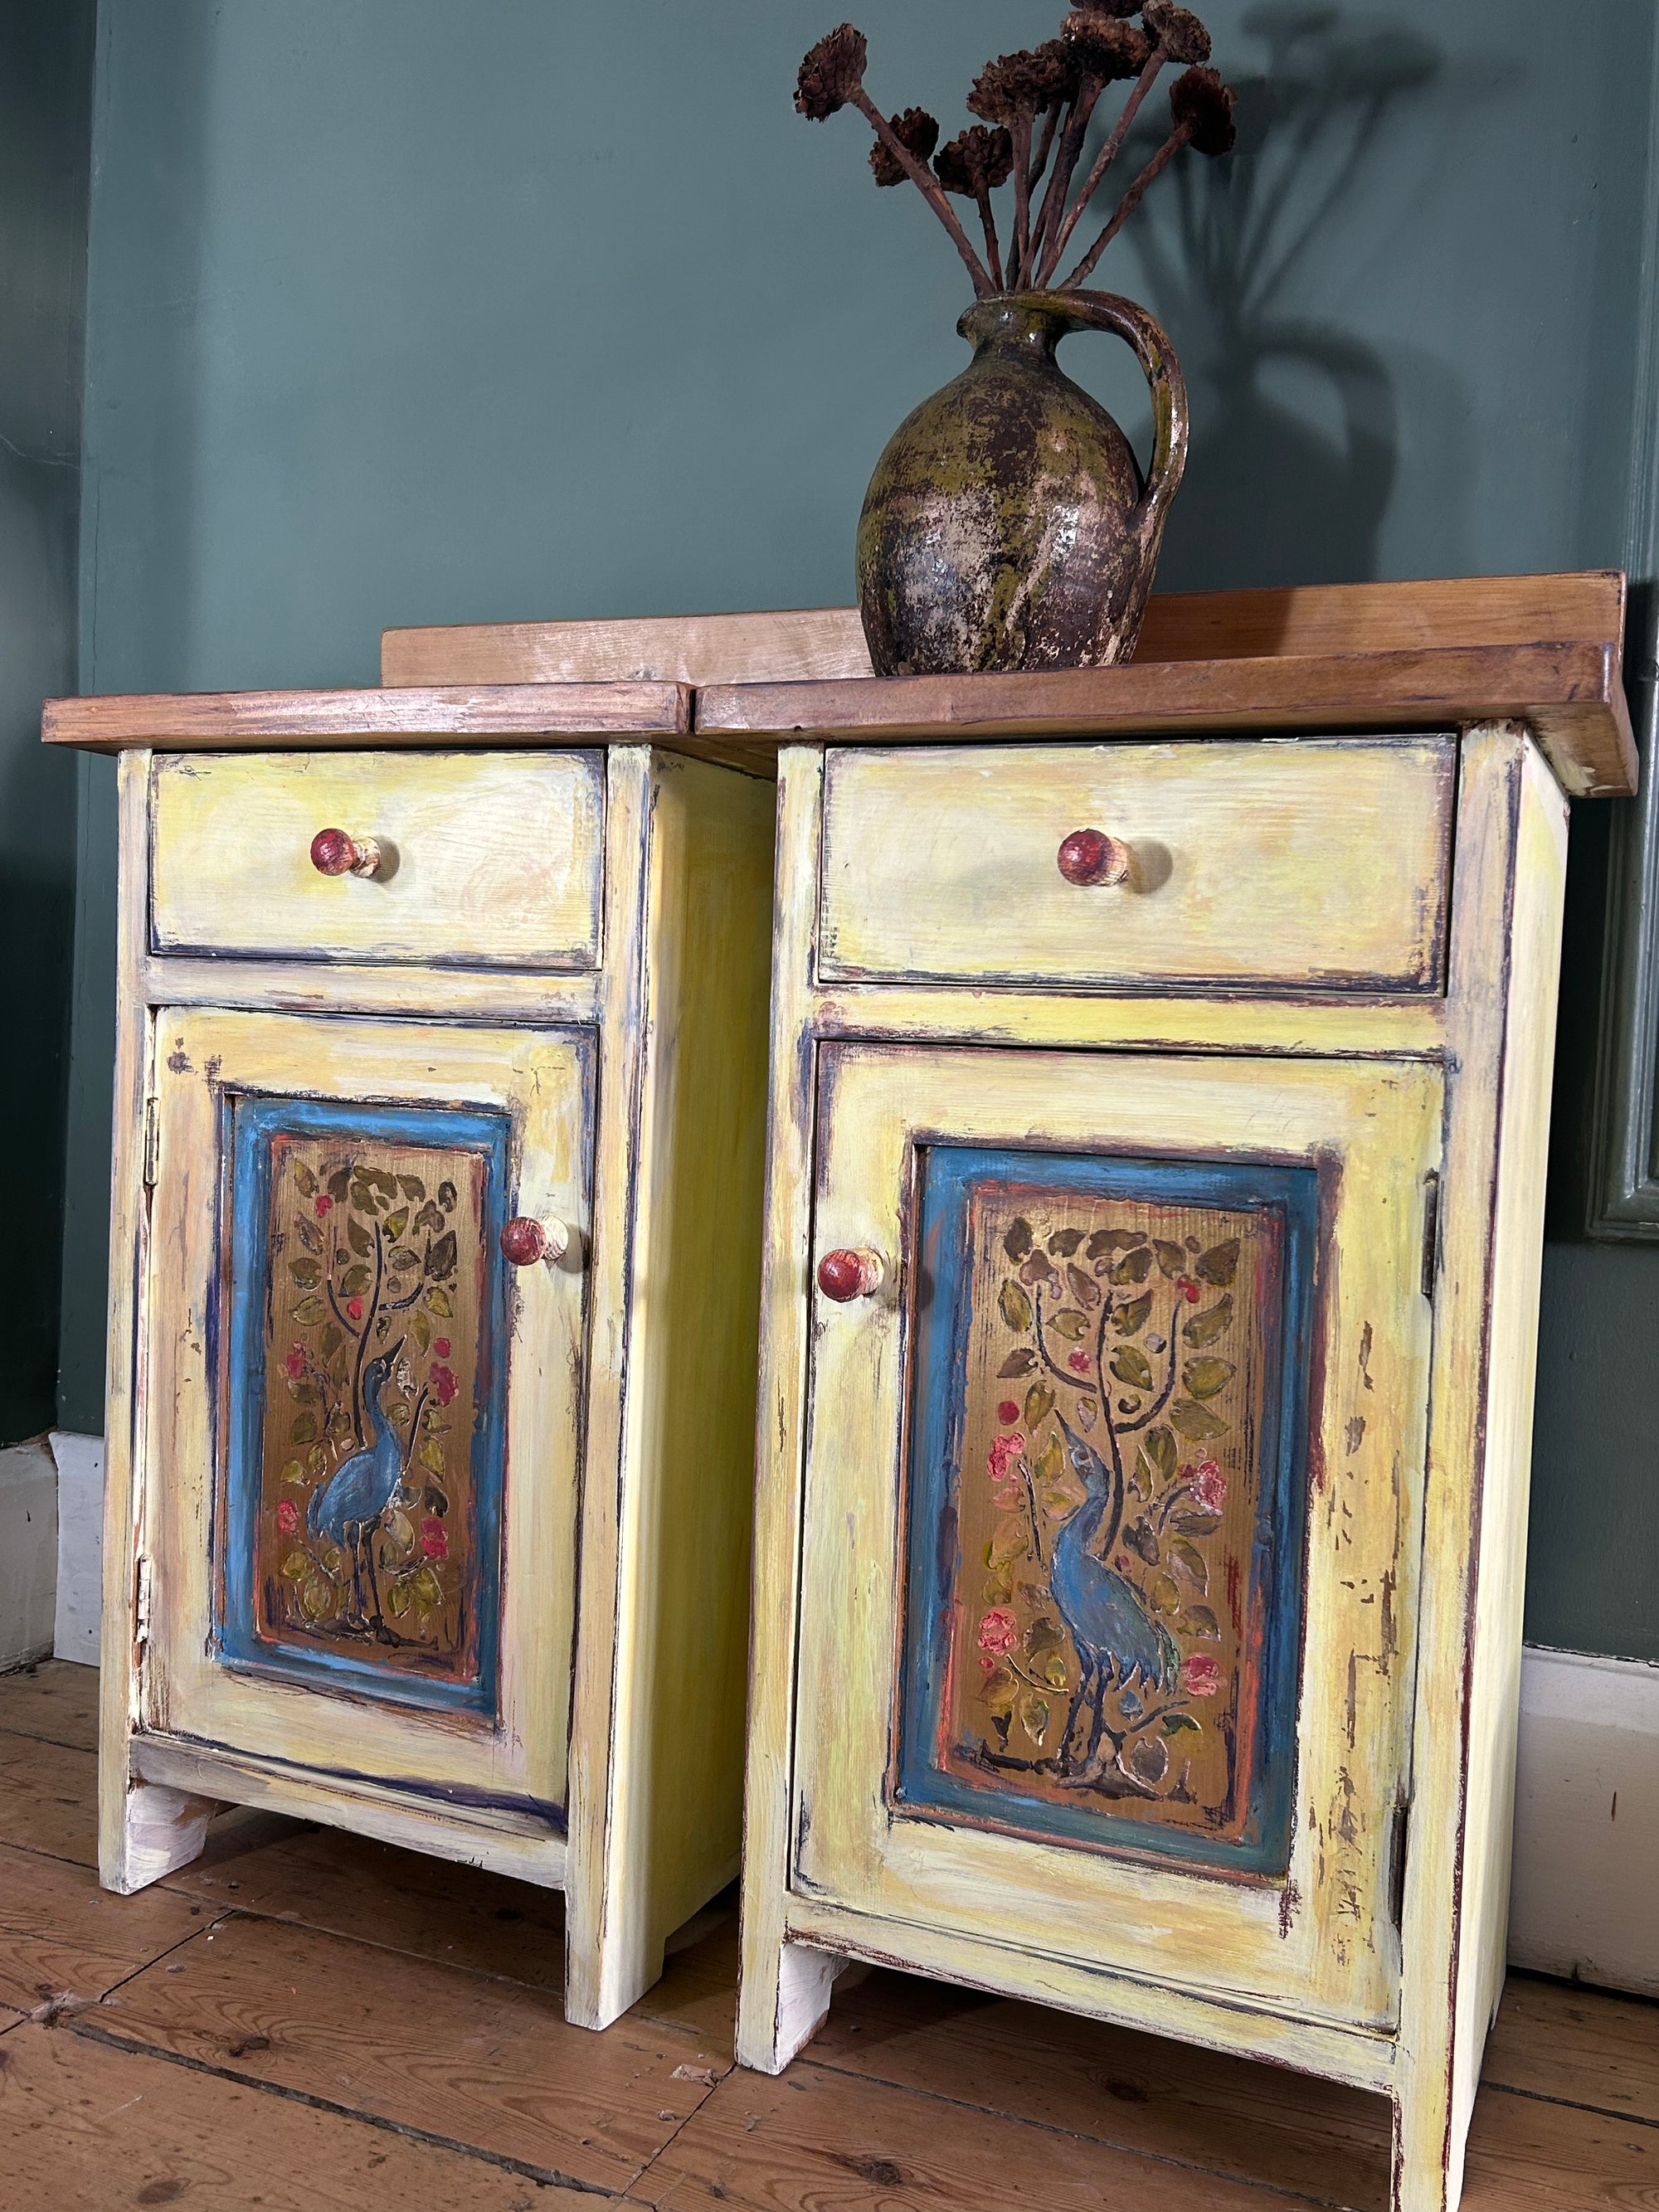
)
(1171, 1259)
(1196, 1524)
(1085, 1289)
(1204, 1327)
(1105, 1241)
(1038, 1269)
(1009, 1542)
(337, 1182)
(316, 1596)
(420, 1328)
(397, 1598)
(438, 1302)
(304, 1181)
(1130, 1365)
(447, 1195)
(293, 1471)
(1131, 1319)
(1204, 1377)
(317, 1459)
(1050, 1460)
(1087, 1413)
(397, 1223)
(1017, 1243)
(1219, 1264)
(403, 1259)
(1053, 1671)
(1133, 1267)
(1202, 1622)
(360, 1239)
(1160, 1449)
(1165, 1592)
(1018, 1363)
(1191, 1561)
(1195, 1422)
(441, 1257)
(400, 1531)
(1000, 1691)
(1069, 1325)
(1174, 1723)
(1142, 1542)
(1044, 1634)
(1065, 1242)
(304, 1429)
(307, 1232)
(1034, 1715)
(1061, 1499)
(1039, 1404)
(305, 1273)
(308, 1309)
(356, 1280)
(1149, 1758)
(411, 1186)
(431, 1455)
(1016, 1310)
(426, 1590)
(330, 1341)
(429, 1217)
(998, 1589)
(296, 1566)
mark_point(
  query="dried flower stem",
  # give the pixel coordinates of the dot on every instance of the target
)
(1019, 252)
(1104, 160)
(988, 222)
(1039, 159)
(1065, 161)
(928, 186)
(1127, 206)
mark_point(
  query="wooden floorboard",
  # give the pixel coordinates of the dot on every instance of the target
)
(304, 2018)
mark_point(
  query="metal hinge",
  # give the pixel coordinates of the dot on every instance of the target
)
(1430, 1232)
(1399, 1845)
(140, 1606)
(152, 1142)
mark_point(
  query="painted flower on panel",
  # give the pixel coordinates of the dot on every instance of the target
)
(999, 1632)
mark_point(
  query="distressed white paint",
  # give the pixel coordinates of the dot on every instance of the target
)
(28, 1544)
(80, 1546)
(1587, 1820)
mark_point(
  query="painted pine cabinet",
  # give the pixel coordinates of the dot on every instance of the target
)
(437, 1222)
(1150, 1308)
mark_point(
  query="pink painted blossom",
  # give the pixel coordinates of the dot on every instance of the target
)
(444, 1385)
(434, 1540)
(442, 1348)
(288, 1517)
(324, 1205)
(296, 1362)
(1207, 1483)
(1200, 1675)
(1077, 1362)
(355, 1308)
(1189, 1289)
(998, 1631)
(1007, 1413)
(1005, 1451)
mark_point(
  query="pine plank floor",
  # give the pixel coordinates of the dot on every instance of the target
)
(309, 2019)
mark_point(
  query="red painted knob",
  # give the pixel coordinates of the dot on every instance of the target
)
(844, 1276)
(524, 1241)
(1090, 857)
(334, 854)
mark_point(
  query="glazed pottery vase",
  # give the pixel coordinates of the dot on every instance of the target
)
(1007, 524)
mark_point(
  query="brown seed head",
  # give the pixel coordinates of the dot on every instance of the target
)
(1202, 105)
(831, 73)
(1107, 49)
(1024, 83)
(1177, 30)
(974, 157)
(917, 131)
(1118, 8)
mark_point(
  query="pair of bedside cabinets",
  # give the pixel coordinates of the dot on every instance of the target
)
(1142, 1214)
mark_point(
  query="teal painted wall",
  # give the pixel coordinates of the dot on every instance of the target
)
(403, 313)
(45, 53)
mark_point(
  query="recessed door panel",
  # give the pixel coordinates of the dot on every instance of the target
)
(1113, 1509)
(360, 1520)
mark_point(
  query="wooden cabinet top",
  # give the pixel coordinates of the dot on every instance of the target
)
(1330, 659)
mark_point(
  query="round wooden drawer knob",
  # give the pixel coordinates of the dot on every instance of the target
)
(334, 854)
(844, 1276)
(524, 1241)
(1090, 857)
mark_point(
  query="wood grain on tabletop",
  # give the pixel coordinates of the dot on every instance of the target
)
(96, 2129)
(488, 2063)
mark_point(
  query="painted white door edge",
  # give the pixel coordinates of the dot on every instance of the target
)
(80, 1546)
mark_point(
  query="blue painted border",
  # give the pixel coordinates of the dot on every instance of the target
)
(254, 1121)
(947, 1177)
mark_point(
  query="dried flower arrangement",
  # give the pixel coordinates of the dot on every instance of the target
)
(1035, 107)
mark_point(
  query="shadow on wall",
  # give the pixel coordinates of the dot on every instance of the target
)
(1293, 469)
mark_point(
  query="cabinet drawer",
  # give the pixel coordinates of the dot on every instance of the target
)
(1303, 868)
(487, 861)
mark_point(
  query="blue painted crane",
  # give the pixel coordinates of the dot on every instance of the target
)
(348, 1507)
(1119, 1644)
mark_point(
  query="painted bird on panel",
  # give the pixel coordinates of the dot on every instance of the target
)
(348, 1508)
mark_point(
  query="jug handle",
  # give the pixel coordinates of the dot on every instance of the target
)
(1108, 311)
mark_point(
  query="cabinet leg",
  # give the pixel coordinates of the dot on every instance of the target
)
(780, 2012)
(1428, 2169)
(159, 1831)
(600, 1983)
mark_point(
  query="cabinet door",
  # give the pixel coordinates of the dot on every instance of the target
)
(1113, 1499)
(362, 1421)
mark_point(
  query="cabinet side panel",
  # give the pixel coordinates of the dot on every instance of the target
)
(1519, 1230)
(128, 1324)
(692, 1397)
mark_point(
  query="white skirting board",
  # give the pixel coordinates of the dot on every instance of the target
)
(1587, 1783)
(28, 1546)
(80, 1546)
(1587, 1820)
